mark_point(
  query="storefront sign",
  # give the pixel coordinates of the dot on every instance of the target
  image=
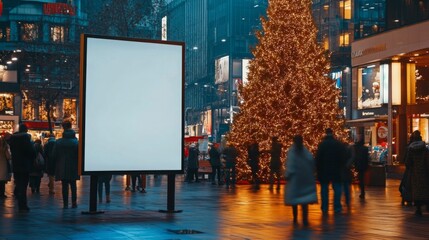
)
(370, 50)
(58, 8)
(368, 113)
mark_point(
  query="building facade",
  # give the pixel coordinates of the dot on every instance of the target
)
(39, 44)
(390, 76)
(219, 35)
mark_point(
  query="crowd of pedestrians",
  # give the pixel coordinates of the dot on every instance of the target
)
(331, 166)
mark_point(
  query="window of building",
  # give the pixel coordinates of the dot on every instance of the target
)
(346, 9)
(29, 32)
(44, 114)
(59, 34)
(28, 110)
(418, 83)
(69, 110)
(344, 39)
(6, 104)
(326, 43)
(370, 88)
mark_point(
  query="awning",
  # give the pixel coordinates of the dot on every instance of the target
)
(365, 122)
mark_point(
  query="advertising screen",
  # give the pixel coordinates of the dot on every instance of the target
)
(131, 105)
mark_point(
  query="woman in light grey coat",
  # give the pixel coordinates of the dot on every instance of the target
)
(301, 183)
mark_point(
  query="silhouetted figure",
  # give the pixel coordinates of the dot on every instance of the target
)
(418, 163)
(193, 163)
(301, 185)
(230, 154)
(330, 161)
(36, 172)
(253, 155)
(23, 155)
(361, 162)
(5, 173)
(65, 154)
(215, 163)
(275, 163)
(49, 162)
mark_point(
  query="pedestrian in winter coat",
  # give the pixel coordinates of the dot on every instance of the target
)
(301, 182)
(418, 162)
(23, 155)
(214, 155)
(330, 161)
(193, 163)
(253, 155)
(50, 163)
(36, 172)
(275, 163)
(65, 153)
(5, 157)
(361, 162)
(230, 154)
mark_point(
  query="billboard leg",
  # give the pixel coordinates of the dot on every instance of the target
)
(93, 196)
(170, 194)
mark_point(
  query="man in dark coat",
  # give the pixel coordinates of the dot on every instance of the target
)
(193, 163)
(361, 162)
(65, 153)
(215, 163)
(23, 155)
(330, 161)
(50, 163)
(253, 155)
(230, 154)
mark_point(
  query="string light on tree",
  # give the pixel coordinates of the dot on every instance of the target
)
(288, 91)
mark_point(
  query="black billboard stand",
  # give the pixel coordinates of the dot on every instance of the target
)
(170, 194)
(93, 196)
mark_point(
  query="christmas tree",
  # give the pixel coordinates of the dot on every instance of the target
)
(289, 91)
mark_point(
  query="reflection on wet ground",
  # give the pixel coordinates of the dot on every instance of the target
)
(209, 212)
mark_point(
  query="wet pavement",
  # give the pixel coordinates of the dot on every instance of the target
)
(209, 212)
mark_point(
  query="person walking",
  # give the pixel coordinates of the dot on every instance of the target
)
(104, 179)
(23, 155)
(275, 163)
(418, 162)
(65, 153)
(193, 163)
(301, 185)
(330, 161)
(230, 154)
(253, 155)
(36, 172)
(347, 174)
(216, 164)
(49, 162)
(361, 162)
(5, 167)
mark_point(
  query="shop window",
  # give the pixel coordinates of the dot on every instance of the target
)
(6, 104)
(44, 114)
(70, 110)
(59, 34)
(369, 87)
(344, 39)
(29, 32)
(6, 126)
(422, 84)
(326, 43)
(28, 110)
(346, 9)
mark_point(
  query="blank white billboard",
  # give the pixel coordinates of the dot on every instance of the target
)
(131, 105)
